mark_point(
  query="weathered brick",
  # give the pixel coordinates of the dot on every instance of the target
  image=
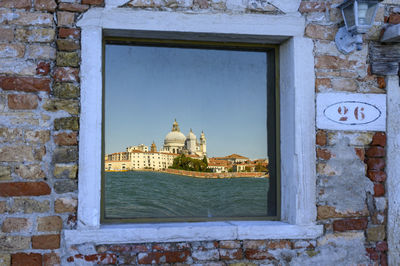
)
(67, 45)
(16, 154)
(322, 84)
(382, 246)
(231, 254)
(11, 50)
(17, 67)
(67, 59)
(15, 225)
(65, 90)
(73, 7)
(37, 136)
(20, 4)
(49, 223)
(394, 18)
(321, 138)
(381, 82)
(69, 33)
(51, 259)
(5, 173)
(6, 34)
(376, 163)
(63, 205)
(29, 206)
(376, 233)
(43, 68)
(150, 258)
(13, 243)
(253, 254)
(326, 212)
(65, 186)
(3, 206)
(25, 84)
(379, 190)
(104, 259)
(11, 135)
(321, 32)
(93, 2)
(24, 189)
(323, 154)
(372, 253)
(66, 139)
(350, 224)
(46, 242)
(333, 62)
(31, 259)
(32, 18)
(54, 105)
(66, 74)
(71, 123)
(22, 101)
(5, 259)
(376, 176)
(229, 244)
(327, 169)
(309, 7)
(344, 84)
(65, 154)
(65, 18)
(45, 5)
(31, 171)
(379, 139)
(376, 151)
(65, 171)
(41, 51)
(206, 255)
(35, 35)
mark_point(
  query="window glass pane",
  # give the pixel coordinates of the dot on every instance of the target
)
(185, 133)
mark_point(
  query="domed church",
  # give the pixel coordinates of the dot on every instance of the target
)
(176, 142)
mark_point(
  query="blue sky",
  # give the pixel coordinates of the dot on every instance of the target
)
(220, 92)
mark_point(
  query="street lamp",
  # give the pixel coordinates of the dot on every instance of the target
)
(358, 17)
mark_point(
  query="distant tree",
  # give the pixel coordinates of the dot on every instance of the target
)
(186, 163)
(205, 160)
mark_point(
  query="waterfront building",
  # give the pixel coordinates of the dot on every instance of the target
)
(140, 157)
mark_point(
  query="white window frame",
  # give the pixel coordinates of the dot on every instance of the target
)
(297, 119)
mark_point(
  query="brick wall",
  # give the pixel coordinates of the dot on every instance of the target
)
(39, 114)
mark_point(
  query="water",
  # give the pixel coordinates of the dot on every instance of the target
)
(160, 195)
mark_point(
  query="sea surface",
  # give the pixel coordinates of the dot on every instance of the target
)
(136, 194)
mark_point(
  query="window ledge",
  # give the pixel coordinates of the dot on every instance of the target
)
(205, 231)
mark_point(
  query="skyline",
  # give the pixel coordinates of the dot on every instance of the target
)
(220, 92)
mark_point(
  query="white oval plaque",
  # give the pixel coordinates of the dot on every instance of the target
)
(352, 113)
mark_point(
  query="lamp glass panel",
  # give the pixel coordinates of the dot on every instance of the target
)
(349, 17)
(366, 12)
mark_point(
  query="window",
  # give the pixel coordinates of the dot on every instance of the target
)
(297, 122)
(208, 86)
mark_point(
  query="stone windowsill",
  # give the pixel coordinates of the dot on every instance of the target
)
(204, 231)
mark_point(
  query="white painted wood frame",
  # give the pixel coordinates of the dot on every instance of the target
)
(298, 177)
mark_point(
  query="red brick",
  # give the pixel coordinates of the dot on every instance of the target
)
(360, 153)
(394, 18)
(43, 68)
(22, 101)
(24, 189)
(384, 260)
(381, 82)
(46, 242)
(73, 7)
(350, 224)
(51, 259)
(149, 258)
(15, 225)
(333, 62)
(308, 7)
(162, 247)
(66, 74)
(231, 254)
(25, 84)
(252, 254)
(176, 256)
(92, 2)
(373, 254)
(379, 190)
(66, 139)
(69, 33)
(379, 139)
(376, 151)
(106, 258)
(323, 154)
(321, 32)
(25, 259)
(23, 4)
(376, 163)
(321, 83)
(321, 138)
(381, 246)
(376, 176)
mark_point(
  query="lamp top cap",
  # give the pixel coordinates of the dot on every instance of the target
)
(346, 3)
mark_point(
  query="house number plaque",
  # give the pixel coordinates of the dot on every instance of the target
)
(344, 111)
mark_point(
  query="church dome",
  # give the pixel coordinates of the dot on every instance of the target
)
(175, 137)
(191, 135)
